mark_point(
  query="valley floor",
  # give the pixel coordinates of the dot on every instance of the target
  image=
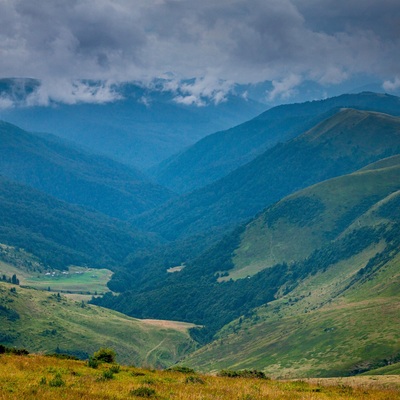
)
(41, 377)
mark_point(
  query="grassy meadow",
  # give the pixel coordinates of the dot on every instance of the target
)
(77, 280)
(299, 224)
(42, 377)
(44, 322)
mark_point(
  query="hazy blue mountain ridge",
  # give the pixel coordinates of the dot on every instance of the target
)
(61, 234)
(218, 154)
(141, 127)
(341, 144)
(75, 176)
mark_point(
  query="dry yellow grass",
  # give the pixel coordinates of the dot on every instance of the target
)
(31, 377)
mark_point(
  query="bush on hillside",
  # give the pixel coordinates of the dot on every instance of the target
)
(184, 370)
(105, 355)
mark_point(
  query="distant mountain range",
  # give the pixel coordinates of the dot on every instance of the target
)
(220, 153)
(73, 175)
(342, 143)
(143, 126)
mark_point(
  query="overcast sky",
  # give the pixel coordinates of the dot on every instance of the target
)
(285, 41)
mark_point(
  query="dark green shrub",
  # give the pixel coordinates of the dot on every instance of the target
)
(20, 352)
(57, 381)
(17, 352)
(108, 374)
(93, 363)
(143, 392)
(105, 355)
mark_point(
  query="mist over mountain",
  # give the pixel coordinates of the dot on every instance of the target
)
(134, 124)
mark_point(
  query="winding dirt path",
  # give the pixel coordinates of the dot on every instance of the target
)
(154, 348)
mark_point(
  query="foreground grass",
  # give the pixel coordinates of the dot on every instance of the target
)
(40, 377)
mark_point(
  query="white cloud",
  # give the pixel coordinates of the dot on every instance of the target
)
(6, 102)
(333, 75)
(62, 42)
(71, 92)
(392, 85)
(284, 88)
(199, 91)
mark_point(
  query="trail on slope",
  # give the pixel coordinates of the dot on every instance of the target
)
(154, 348)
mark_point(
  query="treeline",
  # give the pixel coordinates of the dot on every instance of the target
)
(13, 350)
(13, 279)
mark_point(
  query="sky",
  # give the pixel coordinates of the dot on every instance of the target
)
(216, 42)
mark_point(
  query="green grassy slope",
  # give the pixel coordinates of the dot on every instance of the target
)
(341, 144)
(313, 332)
(216, 155)
(43, 322)
(392, 369)
(60, 234)
(75, 176)
(339, 318)
(299, 224)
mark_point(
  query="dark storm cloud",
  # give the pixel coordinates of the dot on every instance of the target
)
(286, 41)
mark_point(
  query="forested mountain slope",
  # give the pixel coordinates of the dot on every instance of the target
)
(220, 153)
(341, 144)
(61, 234)
(75, 176)
(301, 223)
(362, 219)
